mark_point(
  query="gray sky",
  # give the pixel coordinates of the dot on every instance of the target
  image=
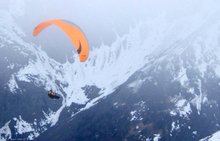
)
(99, 19)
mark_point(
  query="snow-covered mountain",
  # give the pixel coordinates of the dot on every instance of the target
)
(159, 80)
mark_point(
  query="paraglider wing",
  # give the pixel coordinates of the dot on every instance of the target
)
(73, 32)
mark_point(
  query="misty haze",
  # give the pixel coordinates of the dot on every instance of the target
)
(145, 70)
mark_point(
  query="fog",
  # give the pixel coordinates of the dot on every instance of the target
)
(100, 20)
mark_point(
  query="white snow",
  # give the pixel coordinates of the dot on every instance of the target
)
(5, 132)
(200, 99)
(182, 76)
(136, 85)
(110, 66)
(10, 31)
(213, 137)
(182, 108)
(194, 132)
(137, 114)
(44, 71)
(173, 113)
(13, 84)
(22, 127)
(191, 90)
(186, 110)
(181, 103)
(52, 117)
(175, 126)
(133, 115)
(11, 66)
(156, 137)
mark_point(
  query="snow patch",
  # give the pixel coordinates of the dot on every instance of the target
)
(136, 85)
(5, 132)
(156, 137)
(111, 60)
(137, 114)
(11, 66)
(213, 137)
(182, 76)
(182, 108)
(194, 132)
(22, 127)
(200, 99)
(12, 84)
(174, 126)
(52, 117)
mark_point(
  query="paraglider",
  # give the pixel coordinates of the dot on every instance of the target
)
(53, 95)
(75, 34)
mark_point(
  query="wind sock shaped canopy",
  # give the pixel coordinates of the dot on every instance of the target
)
(73, 31)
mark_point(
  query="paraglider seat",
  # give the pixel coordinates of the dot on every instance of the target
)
(53, 95)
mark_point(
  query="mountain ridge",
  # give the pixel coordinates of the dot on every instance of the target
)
(167, 68)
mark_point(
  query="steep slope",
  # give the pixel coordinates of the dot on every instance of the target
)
(70, 80)
(163, 77)
(174, 96)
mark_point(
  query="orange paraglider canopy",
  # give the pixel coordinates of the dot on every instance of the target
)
(73, 31)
